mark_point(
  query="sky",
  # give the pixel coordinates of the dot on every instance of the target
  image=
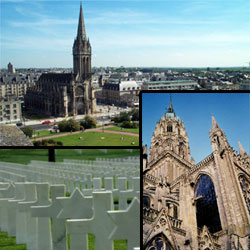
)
(141, 33)
(231, 111)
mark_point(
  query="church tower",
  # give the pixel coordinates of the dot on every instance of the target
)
(82, 52)
(84, 101)
(170, 144)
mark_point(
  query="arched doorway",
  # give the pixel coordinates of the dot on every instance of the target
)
(80, 109)
(79, 99)
(159, 242)
(207, 212)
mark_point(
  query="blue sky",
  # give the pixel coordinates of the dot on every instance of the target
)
(167, 33)
(231, 111)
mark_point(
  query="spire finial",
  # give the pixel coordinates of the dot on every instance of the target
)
(81, 33)
(214, 123)
(170, 107)
(241, 149)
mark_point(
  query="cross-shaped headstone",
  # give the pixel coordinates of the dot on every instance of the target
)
(43, 239)
(101, 224)
(13, 207)
(84, 210)
(127, 224)
(26, 225)
(51, 211)
(5, 195)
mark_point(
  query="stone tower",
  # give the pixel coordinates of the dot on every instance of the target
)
(170, 143)
(82, 52)
(83, 93)
(203, 206)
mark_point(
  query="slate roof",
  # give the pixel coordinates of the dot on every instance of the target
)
(57, 77)
(13, 136)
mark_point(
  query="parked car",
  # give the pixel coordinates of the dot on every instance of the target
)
(46, 122)
(19, 124)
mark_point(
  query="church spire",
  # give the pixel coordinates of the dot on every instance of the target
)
(170, 107)
(214, 123)
(81, 33)
(241, 149)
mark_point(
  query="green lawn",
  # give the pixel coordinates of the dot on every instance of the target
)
(98, 139)
(24, 156)
(43, 133)
(130, 130)
(9, 243)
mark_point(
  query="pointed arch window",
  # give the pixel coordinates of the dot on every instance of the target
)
(169, 128)
(207, 212)
(159, 242)
(146, 201)
(245, 187)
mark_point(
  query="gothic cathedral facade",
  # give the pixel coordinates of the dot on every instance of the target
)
(200, 206)
(66, 94)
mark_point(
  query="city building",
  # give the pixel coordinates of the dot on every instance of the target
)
(66, 94)
(16, 84)
(244, 85)
(201, 206)
(11, 68)
(168, 85)
(10, 110)
(123, 93)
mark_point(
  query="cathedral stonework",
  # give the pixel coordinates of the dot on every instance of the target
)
(66, 94)
(200, 206)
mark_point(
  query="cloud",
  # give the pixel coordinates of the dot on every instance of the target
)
(43, 22)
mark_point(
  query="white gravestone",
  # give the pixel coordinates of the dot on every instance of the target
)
(76, 207)
(51, 211)
(127, 224)
(44, 241)
(5, 195)
(26, 225)
(101, 224)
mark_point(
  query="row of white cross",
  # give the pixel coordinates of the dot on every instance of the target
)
(40, 215)
(79, 174)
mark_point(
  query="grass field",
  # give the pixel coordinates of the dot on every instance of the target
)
(98, 139)
(24, 156)
(9, 243)
(43, 133)
(130, 130)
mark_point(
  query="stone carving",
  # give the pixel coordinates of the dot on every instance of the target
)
(245, 186)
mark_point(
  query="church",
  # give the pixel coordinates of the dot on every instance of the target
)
(66, 94)
(203, 206)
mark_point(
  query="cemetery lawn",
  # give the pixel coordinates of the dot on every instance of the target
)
(24, 156)
(98, 139)
(130, 130)
(9, 243)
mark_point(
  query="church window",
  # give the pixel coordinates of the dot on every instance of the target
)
(175, 212)
(169, 128)
(79, 91)
(146, 201)
(207, 212)
(245, 187)
(159, 242)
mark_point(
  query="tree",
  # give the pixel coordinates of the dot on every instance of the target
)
(124, 116)
(73, 125)
(49, 142)
(28, 131)
(88, 122)
(128, 124)
(135, 114)
(68, 126)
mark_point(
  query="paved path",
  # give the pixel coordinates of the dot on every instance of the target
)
(87, 130)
